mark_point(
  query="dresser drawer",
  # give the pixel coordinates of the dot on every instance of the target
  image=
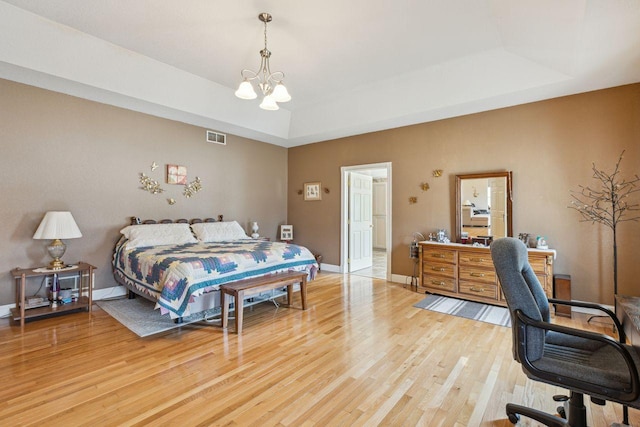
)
(477, 275)
(439, 283)
(484, 290)
(440, 269)
(539, 264)
(439, 255)
(475, 259)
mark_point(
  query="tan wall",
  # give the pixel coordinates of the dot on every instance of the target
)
(64, 153)
(549, 146)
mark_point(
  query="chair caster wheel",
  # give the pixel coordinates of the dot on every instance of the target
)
(514, 418)
(562, 412)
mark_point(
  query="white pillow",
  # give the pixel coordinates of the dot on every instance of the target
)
(218, 231)
(157, 235)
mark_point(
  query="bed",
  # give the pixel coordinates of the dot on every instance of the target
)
(472, 218)
(182, 265)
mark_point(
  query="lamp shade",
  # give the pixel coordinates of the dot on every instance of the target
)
(57, 225)
(245, 91)
(280, 93)
(268, 103)
(467, 203)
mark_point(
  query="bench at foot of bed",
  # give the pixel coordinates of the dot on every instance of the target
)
(245, 288)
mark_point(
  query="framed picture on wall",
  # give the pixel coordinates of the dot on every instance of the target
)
(176, 174)
(312, 191)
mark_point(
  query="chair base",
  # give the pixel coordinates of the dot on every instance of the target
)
(576, 410)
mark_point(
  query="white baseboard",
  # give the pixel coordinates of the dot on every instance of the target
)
(330, 268)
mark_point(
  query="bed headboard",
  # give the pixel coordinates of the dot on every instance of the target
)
(136, 221)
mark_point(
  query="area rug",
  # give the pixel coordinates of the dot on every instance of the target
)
(467, 309)
(140, 317)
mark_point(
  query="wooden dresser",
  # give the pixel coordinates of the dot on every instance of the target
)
(466, 272)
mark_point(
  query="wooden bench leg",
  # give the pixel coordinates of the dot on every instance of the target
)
(239, 311)
(225, 309)
(290, 295)
(303, 292)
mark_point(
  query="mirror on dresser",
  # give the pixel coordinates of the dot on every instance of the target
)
(483, 205)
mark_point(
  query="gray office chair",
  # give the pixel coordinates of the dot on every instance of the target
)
(583, 362)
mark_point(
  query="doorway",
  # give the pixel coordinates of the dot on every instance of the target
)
(366, 220)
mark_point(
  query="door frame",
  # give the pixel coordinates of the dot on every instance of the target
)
(344, 213)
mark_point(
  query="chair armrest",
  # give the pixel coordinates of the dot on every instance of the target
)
(594, 306)
(623, 395)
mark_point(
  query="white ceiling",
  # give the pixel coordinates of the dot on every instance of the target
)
(351, 66)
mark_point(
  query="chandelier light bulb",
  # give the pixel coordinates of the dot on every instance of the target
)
(245, 91)
(268, 103)
(280, 93)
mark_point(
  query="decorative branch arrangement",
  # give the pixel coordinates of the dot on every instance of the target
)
(192, 188)
(149, 184)
(607, 203)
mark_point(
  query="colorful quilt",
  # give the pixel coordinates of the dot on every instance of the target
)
(175, 275)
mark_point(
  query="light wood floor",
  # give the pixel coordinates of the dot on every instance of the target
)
(361, 355)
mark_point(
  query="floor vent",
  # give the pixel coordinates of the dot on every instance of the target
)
(216, 138)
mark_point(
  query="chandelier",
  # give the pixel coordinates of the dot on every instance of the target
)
(269, 83)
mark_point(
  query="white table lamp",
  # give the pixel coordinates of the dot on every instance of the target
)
(56, 226)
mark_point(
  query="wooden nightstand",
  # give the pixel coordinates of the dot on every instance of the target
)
(83, 301)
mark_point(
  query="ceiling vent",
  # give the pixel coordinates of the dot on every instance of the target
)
(216, 138)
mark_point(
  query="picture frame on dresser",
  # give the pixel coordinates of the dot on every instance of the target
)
(286, 233)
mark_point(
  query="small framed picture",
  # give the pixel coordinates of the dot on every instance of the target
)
(312, 191)
(176, 174)
(286, 233)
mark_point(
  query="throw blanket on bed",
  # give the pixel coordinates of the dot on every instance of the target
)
(175, 275)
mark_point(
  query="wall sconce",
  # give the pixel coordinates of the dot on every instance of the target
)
(437, 173)
(424, 186)
(475, 192)
(413, 200)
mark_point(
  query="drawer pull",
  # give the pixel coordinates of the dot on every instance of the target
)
(438, 255)
(477, 260)
(435, 282)
(438, 268)
(474, 289)
(477, 274)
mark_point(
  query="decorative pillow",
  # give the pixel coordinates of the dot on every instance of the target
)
(157, 234)
(218, 231)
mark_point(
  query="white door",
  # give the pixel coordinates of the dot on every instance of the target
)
(498, 207)
(360, 221)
